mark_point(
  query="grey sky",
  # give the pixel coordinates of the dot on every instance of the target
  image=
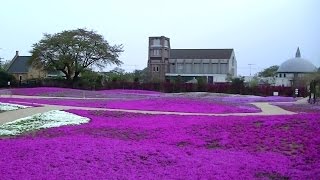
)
(262, 32)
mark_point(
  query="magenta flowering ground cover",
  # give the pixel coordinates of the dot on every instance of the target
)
(129, 91)
(122, 93)
(40, 91)
(117, 145)
(67, 92)
(152, 103)
(300, 108)
(249, 99)
(182, 105)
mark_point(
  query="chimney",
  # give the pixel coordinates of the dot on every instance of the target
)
(17, 53)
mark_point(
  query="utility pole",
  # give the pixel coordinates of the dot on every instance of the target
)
(250, 68)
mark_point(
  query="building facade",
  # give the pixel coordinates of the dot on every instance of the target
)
(164, 63)
(22, 70)
(294, 70)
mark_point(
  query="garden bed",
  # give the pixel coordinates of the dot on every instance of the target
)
(48, 119)
(171, 104)
(77, 93)
(299, 108)
(121, 145)
(11, 107)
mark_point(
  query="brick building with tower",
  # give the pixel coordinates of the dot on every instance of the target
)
(164, 63)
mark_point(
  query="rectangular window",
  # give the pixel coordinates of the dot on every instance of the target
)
(188, 67)
(172, 68)
(197, 68)
(155, 52)
(206, 68)
(156, 42)
(284, 75)
(224, 68)
(280, 75)
(180, 68)
(215, 68)
(166, 53)
(166, 43)
(155, 68)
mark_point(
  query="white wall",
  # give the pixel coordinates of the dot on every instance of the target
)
(282, 82)
(200, 66)
(216, 77)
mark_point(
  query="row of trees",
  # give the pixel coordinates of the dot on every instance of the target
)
(94, 80)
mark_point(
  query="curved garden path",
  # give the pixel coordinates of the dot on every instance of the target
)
(267, 109)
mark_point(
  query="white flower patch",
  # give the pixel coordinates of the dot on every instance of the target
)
(10, 107)
(54, 118)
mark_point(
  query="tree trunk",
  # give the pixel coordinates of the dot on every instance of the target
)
(75, 78)
(68, 77)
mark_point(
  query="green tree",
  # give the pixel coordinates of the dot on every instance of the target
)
(229, 77)
(135, 76)
(202, 83)
(74, 51)
(237, 84)
(5, 77)
(5, 65)
(254, 81)
(141, 75)
(269, 72)
(117, 74)
(91, 79)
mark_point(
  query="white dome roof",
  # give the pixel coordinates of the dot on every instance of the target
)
(297, 65)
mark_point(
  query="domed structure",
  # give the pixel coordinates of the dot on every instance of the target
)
(297, 65)
(292, 71)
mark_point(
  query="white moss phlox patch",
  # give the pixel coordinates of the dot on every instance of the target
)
(10, 107)
(54, 118)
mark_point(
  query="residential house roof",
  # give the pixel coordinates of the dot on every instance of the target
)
(20, 64)
(200, 53)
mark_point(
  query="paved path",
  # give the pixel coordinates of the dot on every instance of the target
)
(9, 116)
(302, 101)
(266, 110)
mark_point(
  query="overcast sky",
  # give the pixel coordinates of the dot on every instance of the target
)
(262, 32)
